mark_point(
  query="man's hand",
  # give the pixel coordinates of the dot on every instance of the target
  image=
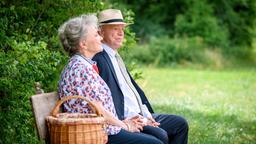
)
(136, 123)
(143, 121)
(151, 121)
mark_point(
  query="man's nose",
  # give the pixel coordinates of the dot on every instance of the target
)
(120, 33)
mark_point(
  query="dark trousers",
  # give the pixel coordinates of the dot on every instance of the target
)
(173, 130)
(175, 126)
(126, 137)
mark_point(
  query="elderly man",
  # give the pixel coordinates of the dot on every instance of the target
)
(129, 100)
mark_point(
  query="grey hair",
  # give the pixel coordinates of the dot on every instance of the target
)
(75, 30)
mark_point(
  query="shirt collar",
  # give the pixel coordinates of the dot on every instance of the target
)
(89, 60)
(109, 50)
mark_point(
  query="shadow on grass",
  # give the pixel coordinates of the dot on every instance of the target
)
(213, 127)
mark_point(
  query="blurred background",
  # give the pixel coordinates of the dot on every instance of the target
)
(194, 58)
(214, 33)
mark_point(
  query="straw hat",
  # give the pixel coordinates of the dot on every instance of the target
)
(111, 16)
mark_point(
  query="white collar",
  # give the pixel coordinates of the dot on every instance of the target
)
(109, 50)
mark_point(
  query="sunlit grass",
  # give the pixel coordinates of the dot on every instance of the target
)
(220, 106)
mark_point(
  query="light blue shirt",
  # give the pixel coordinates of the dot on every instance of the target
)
(131, 106)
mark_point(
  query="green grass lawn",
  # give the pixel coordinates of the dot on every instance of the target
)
(220, 106)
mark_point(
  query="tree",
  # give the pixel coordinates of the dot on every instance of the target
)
(29, 53)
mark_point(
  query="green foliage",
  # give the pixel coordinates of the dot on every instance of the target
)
(177, 50)
(169, 52)
(39, 20)
(30, 52)
(27, 63)
(226, 28)
(129, 40)
(189, 52)
(239, 17)
(154, 18)
(200, 21)
(220, 23)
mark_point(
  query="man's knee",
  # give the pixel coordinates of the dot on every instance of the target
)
(159, 133)
(163, 136)
(184, 124)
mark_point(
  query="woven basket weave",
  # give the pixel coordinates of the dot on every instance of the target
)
(76, 128)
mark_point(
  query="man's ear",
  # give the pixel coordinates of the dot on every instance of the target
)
(101, 32)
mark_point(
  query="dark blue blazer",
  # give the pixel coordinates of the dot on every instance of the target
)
(108, 74)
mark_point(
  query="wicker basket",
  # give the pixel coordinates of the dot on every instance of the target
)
(76, 128)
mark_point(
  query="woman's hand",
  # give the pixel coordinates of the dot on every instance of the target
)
(131, 126)
(138, 121)
(135, 123)
(128, 125)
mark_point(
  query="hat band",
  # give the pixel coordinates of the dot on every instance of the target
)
(112, 20)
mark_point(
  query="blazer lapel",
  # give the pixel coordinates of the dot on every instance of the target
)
(110, 65)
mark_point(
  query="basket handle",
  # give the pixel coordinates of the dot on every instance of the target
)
(56, 109)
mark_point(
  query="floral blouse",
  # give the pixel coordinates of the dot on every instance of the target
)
(79, 78)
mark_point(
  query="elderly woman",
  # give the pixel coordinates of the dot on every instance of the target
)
(80, 39)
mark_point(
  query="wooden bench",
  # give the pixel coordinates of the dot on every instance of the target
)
(42, 105)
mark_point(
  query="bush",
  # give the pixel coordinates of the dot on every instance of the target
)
(30, 52)
(141, 54)
(239, 17)
(200, 21)
(27, 63)
(233, 20)
(165, 51)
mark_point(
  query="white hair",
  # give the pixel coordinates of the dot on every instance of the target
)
(74, 30)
